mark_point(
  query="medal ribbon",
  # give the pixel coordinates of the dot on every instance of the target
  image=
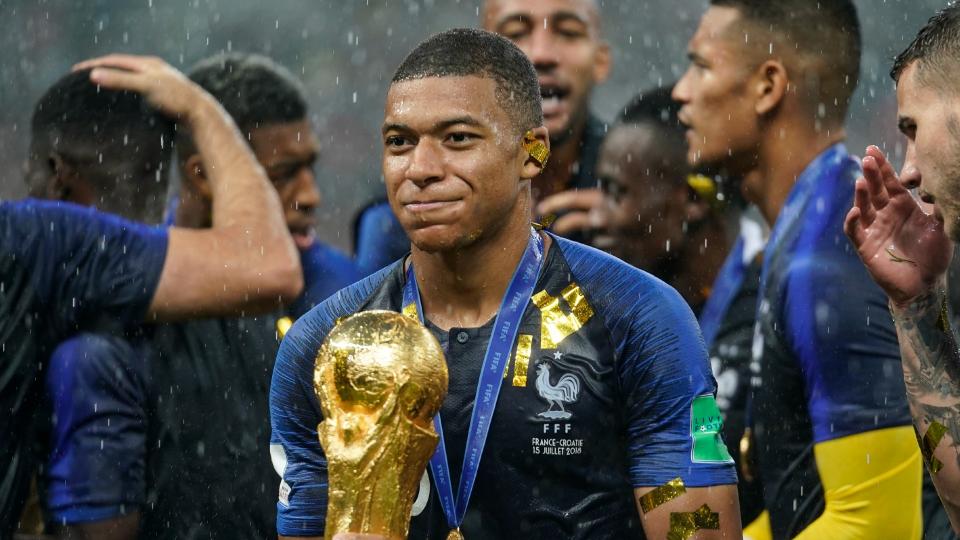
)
(505, 330)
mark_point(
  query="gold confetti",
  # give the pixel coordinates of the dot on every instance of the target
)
(283, 326)
(521, 361)
(537, 150)
(665, 493)
(683, 525)
(931, 439)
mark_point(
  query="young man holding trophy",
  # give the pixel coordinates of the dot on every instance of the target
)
(580, 400)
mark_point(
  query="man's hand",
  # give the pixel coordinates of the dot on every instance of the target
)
(577, 209)
(905, 249)
(157, 81)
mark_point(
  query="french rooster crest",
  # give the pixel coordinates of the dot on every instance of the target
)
(566, 390)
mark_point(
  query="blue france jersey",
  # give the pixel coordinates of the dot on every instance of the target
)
(639, 410)
(826, 362)
(325, 271)
(63, 268)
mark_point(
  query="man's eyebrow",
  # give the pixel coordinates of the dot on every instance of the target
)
(394, 126)
(561, 16)
(441, 125)
(511, 17)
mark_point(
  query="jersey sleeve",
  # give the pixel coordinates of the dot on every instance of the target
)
(87, 265)
(840, 330)
(295, 413)
(673, 425)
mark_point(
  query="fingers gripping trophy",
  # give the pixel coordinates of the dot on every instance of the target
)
(380, 378)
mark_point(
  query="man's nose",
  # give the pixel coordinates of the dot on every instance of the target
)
(910, 175)
(541, 49)
(308, 194)
(426, 163)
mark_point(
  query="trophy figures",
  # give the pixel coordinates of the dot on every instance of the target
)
(380, 378)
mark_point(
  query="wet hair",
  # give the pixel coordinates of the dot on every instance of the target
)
(465, 52)
(936, 49)
(253, 89)
(654, 108)
(825, 34)
(114, 139)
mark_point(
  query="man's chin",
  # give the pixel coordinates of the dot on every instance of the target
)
(439, 239)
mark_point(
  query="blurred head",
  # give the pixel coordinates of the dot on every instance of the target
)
(562, 38)
(928, 106)
(99, 147)
(643, 173)
(456, 112)
(756, 65)
(268, 105)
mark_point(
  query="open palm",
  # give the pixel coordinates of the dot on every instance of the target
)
(905, 249)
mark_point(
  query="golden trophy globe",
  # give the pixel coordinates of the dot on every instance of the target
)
(380, 378)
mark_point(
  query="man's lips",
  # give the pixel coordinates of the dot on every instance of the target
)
(419, 207)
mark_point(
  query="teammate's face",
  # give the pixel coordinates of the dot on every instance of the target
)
(562, 40)
(452, 161)
(288, 152)
(722, 125)
(643, 211)
(930, 119)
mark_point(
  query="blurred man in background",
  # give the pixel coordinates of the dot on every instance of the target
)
(907, 245)
(765, 100)
(564, 41)
(165, 433)
(66, 269)
(654, 219)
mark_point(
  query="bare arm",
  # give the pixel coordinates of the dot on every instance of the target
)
(247, 260)
(931, 372)
(708, 512)
(907, 254)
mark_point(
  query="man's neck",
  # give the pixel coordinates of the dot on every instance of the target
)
(464, 287)
(556, 176)
(703, 255)
(782, 158)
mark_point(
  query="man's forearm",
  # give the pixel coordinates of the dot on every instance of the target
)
(931, 368)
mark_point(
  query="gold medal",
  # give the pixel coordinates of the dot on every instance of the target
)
(455, 534)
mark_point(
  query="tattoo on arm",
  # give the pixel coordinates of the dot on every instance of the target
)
(931, 368)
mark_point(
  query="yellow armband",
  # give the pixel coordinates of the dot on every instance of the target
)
(871, 484)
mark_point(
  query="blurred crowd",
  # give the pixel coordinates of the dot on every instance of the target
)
(138, 353)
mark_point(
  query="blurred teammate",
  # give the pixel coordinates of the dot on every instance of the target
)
(604, 389)
(563, 39)
(65, 267)
(164, 433)
(653, 218)
(907, 246)
(765, 99)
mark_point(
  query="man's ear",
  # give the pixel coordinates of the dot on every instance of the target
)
(602, 62)
(771, 86)
(195, 177)
(61, 178)
(531, 167)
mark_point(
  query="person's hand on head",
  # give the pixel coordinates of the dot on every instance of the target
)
(578, 210)
(161, 84)
(904, 248)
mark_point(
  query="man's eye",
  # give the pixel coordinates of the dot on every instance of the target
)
(396, 140)
(460, 137)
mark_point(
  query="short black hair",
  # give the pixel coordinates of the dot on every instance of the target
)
(655, 108)
(824, 32)
(464, 52)
(253, 89)
(936, 49)
(101, 132)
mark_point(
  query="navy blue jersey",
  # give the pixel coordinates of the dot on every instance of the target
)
(378, 238)
(97, 385)
(826, 363)
(643, 412)
(62, 268)
(325, 271)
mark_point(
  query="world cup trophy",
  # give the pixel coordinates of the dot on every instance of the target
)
(380, 378)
